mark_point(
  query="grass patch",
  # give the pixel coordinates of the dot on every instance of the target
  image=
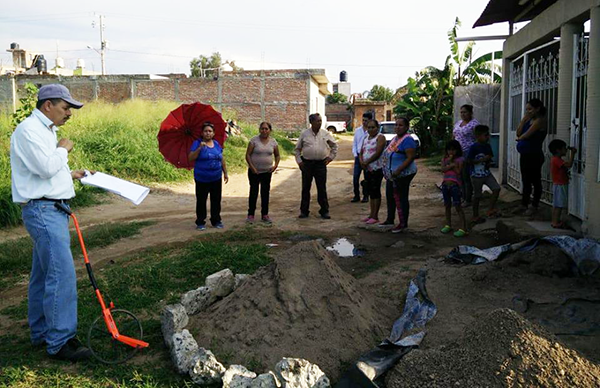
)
(120, 139)
(142, 284)
(15, 255)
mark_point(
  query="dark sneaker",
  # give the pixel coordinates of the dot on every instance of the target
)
(72, 351)
(325, 216)
(355, 199)
(365, 199)
(219, 225)
(386, 223)
(201, 227)
(303, 215)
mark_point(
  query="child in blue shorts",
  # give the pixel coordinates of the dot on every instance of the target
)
(452, 165)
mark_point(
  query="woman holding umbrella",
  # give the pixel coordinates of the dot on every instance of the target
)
(259, 156)
(209, 165)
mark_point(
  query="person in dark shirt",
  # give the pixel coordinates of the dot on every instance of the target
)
(479, 158)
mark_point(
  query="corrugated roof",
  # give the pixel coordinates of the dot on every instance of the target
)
(498, 11)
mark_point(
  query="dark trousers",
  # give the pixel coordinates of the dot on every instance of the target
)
(401, 189)
(467, 187)
(356, 179)
(203, 189)
(390, 201)
(531, 176)
(318, 170)
(264, 181)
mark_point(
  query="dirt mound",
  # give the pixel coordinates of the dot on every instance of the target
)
(545, 260)
(501, 349)
(303, 305)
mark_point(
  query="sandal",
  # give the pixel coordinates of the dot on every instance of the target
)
(446, 229)
(460, 233)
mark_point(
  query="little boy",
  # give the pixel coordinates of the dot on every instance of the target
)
(479, 158)
(560, 179)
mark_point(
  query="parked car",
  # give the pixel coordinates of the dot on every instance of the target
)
(336, 126)
(386, 128)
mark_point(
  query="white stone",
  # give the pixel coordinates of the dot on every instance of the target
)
(172, 320)
(239, 279)
(265, 380)
(221, 283)
(205, 368)
(183, 351)
(299, 373)
(237, 376)
(197, 300)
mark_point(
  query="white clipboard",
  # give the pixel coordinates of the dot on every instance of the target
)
(129, 190)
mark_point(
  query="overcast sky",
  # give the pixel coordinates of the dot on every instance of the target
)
(375, 41)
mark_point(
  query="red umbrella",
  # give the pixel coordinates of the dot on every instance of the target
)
(184, 125)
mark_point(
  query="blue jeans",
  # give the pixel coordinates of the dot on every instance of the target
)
(356, 178)
(52, 295)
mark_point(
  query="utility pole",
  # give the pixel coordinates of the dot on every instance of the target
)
(102, 45)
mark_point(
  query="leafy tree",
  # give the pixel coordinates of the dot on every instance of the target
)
(466, 70)
(26, 104)
(337, 98)
(208, 67)
(381, 93)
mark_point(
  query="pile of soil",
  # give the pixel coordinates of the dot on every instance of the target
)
(302, 305)
(501, 349)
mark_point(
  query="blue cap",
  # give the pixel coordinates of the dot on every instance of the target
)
(58, 91)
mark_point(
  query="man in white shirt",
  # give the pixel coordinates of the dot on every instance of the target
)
(359, 136)
(41, 178)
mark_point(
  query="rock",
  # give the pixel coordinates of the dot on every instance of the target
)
(184, 348)
(265, 380)
(239, 279)
(299, 373)
(172, 320)
(205, 368)
(221, 283)
(398, 244)
(197, 300)
(237, 376)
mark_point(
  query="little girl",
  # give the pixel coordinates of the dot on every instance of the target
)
(452, 165)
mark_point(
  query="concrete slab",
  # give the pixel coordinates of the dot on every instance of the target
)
(515, 230)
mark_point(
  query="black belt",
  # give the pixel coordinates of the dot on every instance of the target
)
(52, 200)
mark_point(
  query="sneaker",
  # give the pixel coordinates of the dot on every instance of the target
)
(398, 229)
(303, 215)
(250, 219)
(266, 219)
(386, 223)
(201, 227)
(460, 233)
(531, 211)
(365, 199)
(72, 351)
(446, 229)
(219, 225)
(325, 216)
(477, 220)
(355, 199)
(372, 221)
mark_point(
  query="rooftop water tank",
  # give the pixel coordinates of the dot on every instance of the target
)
(343, 76)
(80, 63)
(14, 46)
(60, 62)
(42, 65)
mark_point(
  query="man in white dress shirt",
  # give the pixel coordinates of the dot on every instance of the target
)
(359, 136)
(41, 178)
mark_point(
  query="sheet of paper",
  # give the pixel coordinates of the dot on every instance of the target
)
(132, 191)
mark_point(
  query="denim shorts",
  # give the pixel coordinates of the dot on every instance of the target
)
(452, 194)
(560, 196)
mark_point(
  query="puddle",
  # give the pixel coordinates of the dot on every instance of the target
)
(344, 248)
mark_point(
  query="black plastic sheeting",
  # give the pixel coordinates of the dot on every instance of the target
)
(418, 310)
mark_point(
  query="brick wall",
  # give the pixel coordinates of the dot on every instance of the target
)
(278, 96)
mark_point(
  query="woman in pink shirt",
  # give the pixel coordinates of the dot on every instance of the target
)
(463, 133)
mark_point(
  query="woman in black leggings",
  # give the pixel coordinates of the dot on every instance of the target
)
(530, 137)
